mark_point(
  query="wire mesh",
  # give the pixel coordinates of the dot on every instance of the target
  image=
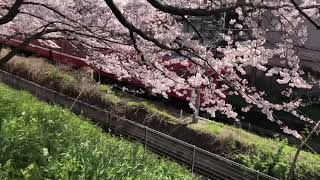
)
(200, 161)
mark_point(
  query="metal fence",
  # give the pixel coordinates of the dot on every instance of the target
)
(200, 161)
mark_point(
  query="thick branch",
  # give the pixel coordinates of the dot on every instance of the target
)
(182, 11)
(134, 41)
(193, 27)
(13, 11)
(293, 164)
(304, 14)
(24, 44)
(117, 13)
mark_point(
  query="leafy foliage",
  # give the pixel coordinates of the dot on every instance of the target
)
(39, 141)
(269, 156)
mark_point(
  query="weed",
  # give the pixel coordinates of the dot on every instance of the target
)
(39, 141)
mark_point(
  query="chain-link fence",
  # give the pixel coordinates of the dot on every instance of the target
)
(198, 160)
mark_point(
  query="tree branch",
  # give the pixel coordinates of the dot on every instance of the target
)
(304, 14)
(293, 164)
(117, 13)
(24, 44)
(13, 11)
(181, 11)
(194, 28)
(134, 40)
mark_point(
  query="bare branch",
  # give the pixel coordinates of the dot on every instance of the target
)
(131, 27)
(25, 43)
(181, 11)
(13, 11)
(194, 28)
(305, 15)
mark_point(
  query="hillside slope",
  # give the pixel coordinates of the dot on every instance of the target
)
(266, 155)
(39, 141)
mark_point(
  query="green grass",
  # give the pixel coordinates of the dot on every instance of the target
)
(263, 154)
(72, 82)
(39, 141)
(266, 155)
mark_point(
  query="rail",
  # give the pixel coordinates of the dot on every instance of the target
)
(200, 161)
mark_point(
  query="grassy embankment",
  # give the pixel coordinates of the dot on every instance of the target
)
(266, 155)
(39, 141)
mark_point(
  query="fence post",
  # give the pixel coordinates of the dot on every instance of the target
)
(193, 157)
(13, 81)
(145, 137)
(36, 91)
(17, 83)
(109, 124)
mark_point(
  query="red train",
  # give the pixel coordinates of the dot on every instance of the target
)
(66, 54)
(69, 55)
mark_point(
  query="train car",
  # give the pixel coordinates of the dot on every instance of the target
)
(64, 53)
(71, 55)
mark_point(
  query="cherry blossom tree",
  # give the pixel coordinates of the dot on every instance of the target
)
(130, 38)
(140, 33)
(157, 34)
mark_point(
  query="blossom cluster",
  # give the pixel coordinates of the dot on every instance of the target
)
(123, 51)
